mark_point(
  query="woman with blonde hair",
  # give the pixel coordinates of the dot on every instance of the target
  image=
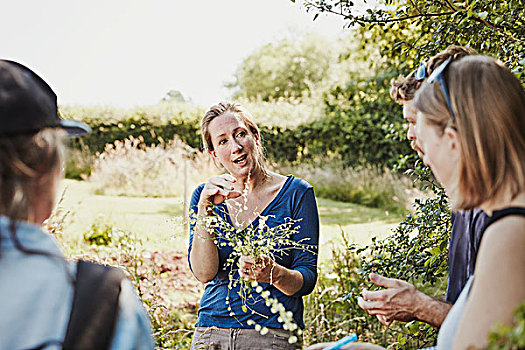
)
(471, 126)
(234, 141)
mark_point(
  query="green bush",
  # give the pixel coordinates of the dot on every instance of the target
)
(101, 235)
(362, 125)
(78, 163)
(416, 252)
(332, 312)
(506, 337)
(359, 125)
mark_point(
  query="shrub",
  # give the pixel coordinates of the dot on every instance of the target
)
(506, 337)
(355, 123)
(416, 251)
(333, 312)
(78, 163)
(157, 276)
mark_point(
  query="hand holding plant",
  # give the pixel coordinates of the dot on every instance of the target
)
(259, 269)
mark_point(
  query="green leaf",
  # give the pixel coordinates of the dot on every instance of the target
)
(483, 15)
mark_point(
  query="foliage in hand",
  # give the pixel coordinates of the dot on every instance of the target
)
(287, 68)
(422, 28)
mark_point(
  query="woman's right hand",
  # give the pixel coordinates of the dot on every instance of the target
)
(217, 190)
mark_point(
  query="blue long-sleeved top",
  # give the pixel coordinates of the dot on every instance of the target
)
(295, 200)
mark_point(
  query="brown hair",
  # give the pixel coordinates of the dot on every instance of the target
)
(404, 88)
(236, 109)
(24, 159)
(489, 107)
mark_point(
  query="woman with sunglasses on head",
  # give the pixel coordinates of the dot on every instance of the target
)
(39, 289)
(471, 128)
(241, 197)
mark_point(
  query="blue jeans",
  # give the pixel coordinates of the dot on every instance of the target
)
(214, 338)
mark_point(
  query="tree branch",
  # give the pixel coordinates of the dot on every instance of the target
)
(493, 27)
(378, 20)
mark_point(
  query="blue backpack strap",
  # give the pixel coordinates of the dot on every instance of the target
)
(95, 307)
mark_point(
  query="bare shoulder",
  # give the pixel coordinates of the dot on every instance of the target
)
(506, 232)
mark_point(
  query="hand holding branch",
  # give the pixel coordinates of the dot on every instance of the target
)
(401, 301)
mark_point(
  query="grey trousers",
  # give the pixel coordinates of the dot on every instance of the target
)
(213, 338)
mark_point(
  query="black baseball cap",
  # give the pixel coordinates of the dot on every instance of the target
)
(28, 104)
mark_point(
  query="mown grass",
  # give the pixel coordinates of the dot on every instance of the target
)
(160, 221)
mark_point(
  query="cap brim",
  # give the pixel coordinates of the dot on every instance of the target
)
(74, 127)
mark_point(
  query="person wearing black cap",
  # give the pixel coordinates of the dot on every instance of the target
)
(43, 298)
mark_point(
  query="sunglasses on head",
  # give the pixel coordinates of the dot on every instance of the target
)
(436, 76)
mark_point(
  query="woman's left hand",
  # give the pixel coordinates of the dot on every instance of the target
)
(260, 269)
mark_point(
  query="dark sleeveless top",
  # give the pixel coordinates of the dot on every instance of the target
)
(498, 214)
(448, 329)
(467, 228)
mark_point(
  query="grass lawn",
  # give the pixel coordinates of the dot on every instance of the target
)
(160, 224)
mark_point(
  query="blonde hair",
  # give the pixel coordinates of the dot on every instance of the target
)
(489, 107)
(236, 109)
(403, 89)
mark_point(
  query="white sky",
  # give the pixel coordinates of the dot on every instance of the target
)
(126, 53)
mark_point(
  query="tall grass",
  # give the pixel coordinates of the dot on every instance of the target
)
(369, 186)
(132, 168)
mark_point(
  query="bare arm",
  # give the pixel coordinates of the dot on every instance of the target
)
(204, 256)
(401, 301)
(499, 284)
